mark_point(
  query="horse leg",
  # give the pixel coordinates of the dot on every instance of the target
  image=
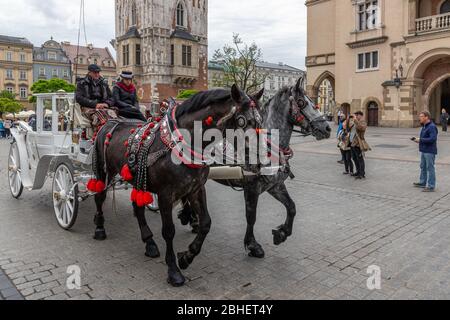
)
(99, 220)
(151, 249)
(251, 205)
(284, 231)
(175, 277)
(199, 206)
(188, 216)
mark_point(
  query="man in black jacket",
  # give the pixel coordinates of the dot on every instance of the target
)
(93, 91)
(125, 97)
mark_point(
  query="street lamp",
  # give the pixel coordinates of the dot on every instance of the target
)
(398, 84)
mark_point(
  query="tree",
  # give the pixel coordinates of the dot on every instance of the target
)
(7, 95)
(239, 62)
(9, 106)
(51, 86)
(186, 94)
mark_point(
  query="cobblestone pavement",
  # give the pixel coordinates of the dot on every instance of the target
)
(343, 227)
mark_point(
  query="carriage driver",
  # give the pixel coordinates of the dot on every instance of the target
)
(94, 97)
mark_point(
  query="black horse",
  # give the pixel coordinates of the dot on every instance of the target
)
(165, 177)
(288, 108)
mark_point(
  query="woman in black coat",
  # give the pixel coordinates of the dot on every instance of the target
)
(125, 98)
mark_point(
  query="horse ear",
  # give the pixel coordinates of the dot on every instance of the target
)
(236, 94)
(300, 84)
(258, 95)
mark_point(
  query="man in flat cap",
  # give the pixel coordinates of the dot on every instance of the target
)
(94, 96)
(125, 97)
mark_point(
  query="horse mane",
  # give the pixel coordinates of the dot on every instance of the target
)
(276, 99)
(202, 100)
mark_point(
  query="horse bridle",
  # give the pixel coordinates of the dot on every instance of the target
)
(297, 110)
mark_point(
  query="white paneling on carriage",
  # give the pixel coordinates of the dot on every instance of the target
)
(54, 144)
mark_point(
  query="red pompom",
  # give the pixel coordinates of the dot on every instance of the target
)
(140, 126)
(100, 187)
(144, 136)
(91, 185)
(107, 143)
(133, 131)
(134, 194)
(209, 121)
(148, 198)
(126, 173)
(140, 199)
(151, 125)
(158, 119)
(126, 144)
(109, 135)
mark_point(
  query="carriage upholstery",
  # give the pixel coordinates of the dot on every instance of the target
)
(80, 121)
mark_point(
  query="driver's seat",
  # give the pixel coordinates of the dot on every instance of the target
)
(80, 121)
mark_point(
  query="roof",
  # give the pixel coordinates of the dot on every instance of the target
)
(15, 40)
(131, 33)
(278, 66)
(102, 53)
(214, 65)
(182, 34)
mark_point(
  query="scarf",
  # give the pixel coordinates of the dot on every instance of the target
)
(130, 89)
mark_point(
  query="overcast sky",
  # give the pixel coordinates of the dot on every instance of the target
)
(278, 27)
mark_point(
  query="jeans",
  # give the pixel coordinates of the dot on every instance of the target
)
(428, 170)
(358, 159)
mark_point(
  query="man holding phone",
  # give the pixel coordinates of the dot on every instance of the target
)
(428, 148)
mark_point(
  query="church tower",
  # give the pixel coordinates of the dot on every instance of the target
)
(165, 43)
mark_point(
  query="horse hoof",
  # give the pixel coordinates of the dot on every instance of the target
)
(100, 235)
(257, 253)
(183, 261)
(176, 279)
(279, 237)
(152, 251)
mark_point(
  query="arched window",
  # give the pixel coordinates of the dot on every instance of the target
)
(180, 15)
(133, 14)
(445, 7)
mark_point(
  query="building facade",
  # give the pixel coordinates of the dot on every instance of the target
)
(165, 44)
(81, 57)
(50, 61)
(388, 58)
(277, 76)
(16, 67)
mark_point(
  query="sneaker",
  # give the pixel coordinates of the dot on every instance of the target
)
(419, 185)
(428, 190)
(340, 162)
(346, 173)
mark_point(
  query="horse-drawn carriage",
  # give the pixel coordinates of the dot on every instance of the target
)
(56, 148)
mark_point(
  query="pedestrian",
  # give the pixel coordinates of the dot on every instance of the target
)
(8, 124)
(344, 145)
(2, 129)
(444, 120)
(341, 119)
(359, 144)
(428, 149)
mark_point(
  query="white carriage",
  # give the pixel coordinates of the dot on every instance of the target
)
(55, 146)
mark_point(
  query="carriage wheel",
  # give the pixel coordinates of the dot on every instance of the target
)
(65, 197)
(155, 205)
(14, 172)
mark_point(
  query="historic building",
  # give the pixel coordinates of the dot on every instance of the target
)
(16, 67)
(390, 59)
(81, 57)
(50, 61)
(277, 76)
(165, 43)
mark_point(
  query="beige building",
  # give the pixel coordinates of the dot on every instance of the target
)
(81, 57)
(16, 67)
(388, 58)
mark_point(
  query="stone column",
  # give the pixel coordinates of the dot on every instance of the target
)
(413, 14)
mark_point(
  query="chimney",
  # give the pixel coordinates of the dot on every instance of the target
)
(90, 46)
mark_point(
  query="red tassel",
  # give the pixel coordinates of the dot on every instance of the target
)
(100, 187)
(158, 119)
(109, 135)
(209, 121)
(134, 194)
(126, 173)
(140, 201)
(91, 185)
(133, 131)
(126, 144)
(107, 143)
(148, 198)
(151, 125)
(140, 126)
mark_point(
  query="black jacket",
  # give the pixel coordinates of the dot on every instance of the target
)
(124, 99)
(90, 93)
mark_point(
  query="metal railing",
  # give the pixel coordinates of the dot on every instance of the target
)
(433, 23)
